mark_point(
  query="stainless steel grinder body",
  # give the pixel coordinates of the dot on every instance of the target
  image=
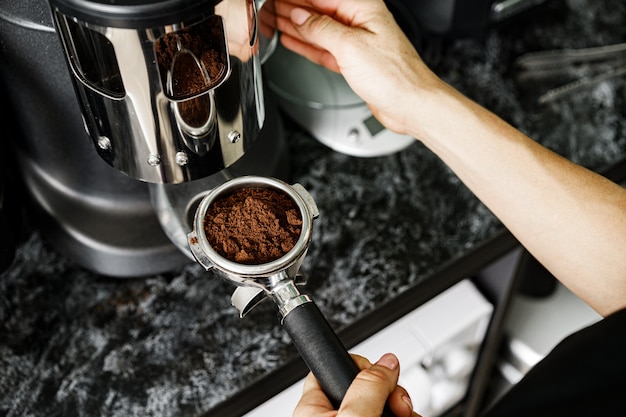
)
(169, 90)
(117, 200)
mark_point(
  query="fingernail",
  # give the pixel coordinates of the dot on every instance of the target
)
(408, 401)
(388, 360)
(299, 16)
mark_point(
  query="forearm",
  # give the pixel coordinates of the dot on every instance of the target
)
(571, 219)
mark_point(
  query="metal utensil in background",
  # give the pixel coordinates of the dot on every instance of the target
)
(315, 340)
(585, 67)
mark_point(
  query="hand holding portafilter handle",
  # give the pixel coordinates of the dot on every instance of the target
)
(318, 345)
(323, 352)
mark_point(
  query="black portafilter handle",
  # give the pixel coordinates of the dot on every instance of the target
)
(323, 352)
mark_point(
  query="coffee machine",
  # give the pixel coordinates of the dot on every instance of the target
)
(125, 113)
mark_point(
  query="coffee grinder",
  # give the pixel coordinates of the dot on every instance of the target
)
(171, 96)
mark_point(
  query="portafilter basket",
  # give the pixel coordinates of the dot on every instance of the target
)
(315, 340)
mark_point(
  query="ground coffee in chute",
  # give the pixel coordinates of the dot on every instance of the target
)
(253, 225)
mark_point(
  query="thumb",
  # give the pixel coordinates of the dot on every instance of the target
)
(368, 393)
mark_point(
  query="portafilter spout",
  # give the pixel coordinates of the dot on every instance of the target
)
(315, 340)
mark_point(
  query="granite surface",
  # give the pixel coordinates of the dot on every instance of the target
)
(74, 343)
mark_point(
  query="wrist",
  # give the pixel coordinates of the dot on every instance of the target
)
(431, 109)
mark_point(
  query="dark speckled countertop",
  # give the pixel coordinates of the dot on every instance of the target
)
(76, 344)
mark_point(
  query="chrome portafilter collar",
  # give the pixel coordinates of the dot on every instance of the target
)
(276, 278)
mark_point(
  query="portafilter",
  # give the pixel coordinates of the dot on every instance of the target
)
(318, 344)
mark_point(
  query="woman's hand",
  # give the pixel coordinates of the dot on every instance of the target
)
(375, 386)
(361, 40)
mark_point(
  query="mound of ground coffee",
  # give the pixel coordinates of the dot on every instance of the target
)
(253, 225)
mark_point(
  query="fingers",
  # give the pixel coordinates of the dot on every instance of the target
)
(373, 388)
(313, 54)
(312, 28)
(400, 403)
(370, 389)
(282, 10)
(388, 368)
(312, 35)
(361, 361)
(313, 401)
(399, 400)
